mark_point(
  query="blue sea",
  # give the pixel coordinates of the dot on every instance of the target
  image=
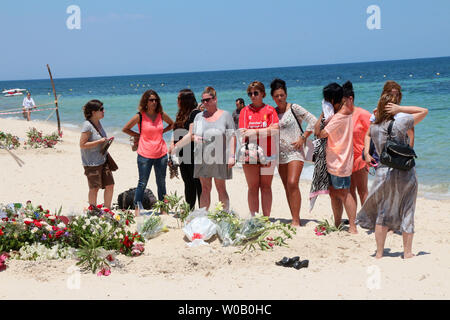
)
(425, 83)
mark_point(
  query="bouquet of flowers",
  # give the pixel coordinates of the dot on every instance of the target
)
(325, 228)
(8, 141)
(36, 139)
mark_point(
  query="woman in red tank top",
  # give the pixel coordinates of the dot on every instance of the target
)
(152, 149)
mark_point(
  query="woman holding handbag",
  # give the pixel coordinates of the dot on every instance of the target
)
(152, 149)
(292, 143)
(391, 202)
(92, 141)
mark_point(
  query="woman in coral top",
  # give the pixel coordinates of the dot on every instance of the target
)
(361, 124)
(258, 123)
(152, 149)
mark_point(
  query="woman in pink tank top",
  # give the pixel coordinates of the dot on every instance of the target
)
(152, 149)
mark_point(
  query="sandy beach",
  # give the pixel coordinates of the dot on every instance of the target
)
(341, 266)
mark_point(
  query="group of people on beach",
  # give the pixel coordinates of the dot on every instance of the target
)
(207, 142)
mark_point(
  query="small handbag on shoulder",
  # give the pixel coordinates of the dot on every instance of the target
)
(396, 155)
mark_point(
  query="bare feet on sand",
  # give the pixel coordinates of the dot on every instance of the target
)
(408, 255)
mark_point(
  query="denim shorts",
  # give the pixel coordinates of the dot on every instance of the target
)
(339, 182)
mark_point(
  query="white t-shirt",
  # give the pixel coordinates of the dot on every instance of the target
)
(28, 103)
(328, 110)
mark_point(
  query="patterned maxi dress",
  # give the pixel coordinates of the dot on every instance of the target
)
(320, 182)
(392, 199)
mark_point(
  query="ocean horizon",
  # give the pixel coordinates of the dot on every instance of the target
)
(425, 82)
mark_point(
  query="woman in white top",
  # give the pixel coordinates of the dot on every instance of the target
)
(292, 142)
(28, 104)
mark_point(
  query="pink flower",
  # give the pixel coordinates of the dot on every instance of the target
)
(104, 272)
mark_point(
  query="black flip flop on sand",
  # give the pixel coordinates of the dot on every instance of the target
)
(287, 262)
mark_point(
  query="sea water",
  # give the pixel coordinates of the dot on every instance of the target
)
(425, 83)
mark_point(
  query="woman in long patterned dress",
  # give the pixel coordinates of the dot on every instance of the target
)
(391, 202)
(292, 142)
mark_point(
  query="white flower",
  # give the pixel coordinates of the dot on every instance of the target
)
(61, 225)
(27, 220)
(52, 217)
(49, 228)
(34, 230)
(87, 222)
(44, 223)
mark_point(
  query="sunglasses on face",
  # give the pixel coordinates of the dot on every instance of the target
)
(152, 100)
(254, 93)
(101, 109)
(206, 100)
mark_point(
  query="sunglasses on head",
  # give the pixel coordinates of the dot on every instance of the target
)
(254, 93)
(206, 100)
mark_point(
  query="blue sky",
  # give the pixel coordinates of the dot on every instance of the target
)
(148, 36)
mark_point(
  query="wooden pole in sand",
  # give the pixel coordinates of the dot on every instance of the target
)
(56, 100)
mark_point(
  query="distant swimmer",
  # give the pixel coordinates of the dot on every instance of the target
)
(28, 104)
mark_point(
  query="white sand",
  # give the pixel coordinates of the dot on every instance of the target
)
(342, 266)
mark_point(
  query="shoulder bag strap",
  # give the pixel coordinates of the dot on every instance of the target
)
(389, 130)
(298, 122)
(97, 129)
(140, 121)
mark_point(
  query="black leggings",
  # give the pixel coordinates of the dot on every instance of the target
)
(192, 186)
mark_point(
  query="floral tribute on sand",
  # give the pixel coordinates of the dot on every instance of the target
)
(37, 140)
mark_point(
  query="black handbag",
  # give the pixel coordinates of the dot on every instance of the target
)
(396, 155)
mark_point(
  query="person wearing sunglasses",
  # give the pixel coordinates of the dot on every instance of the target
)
(96, 168)
(152, 149)
(258, 123)
(213, 135)
(292, 143)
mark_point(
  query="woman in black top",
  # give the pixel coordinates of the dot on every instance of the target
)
(187, 110)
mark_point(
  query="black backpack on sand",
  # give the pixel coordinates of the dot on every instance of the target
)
(125, 200)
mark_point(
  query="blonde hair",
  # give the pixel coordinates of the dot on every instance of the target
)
(211, 91)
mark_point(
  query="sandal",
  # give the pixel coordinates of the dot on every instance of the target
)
(301, 264)
(287, 262)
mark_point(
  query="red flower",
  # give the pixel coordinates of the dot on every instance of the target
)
(27, 222)
(1, 232)
(37, 224)
(197, 236)
(110, 257)
(99, 206)
(59, 233)
(271, 244)
(46, 215)
(106, 210)
(127, 222)
(5, 219)
(47, 211)
(91, 207)
(49, 236)
(127, 242)
(54, 228)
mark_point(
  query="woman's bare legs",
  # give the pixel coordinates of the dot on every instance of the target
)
(407, 245)
(92, 196)
(205, 197)
(266, 193)
(252, 176)
(359, 181)
(290, 176)
(222, 192)
(380, 238)
(108, 195)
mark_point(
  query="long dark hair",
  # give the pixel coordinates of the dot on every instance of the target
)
(187, 101)
(144, 100)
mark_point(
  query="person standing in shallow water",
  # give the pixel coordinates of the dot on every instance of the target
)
(292, 143)
(152, 149)
(391, 202)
